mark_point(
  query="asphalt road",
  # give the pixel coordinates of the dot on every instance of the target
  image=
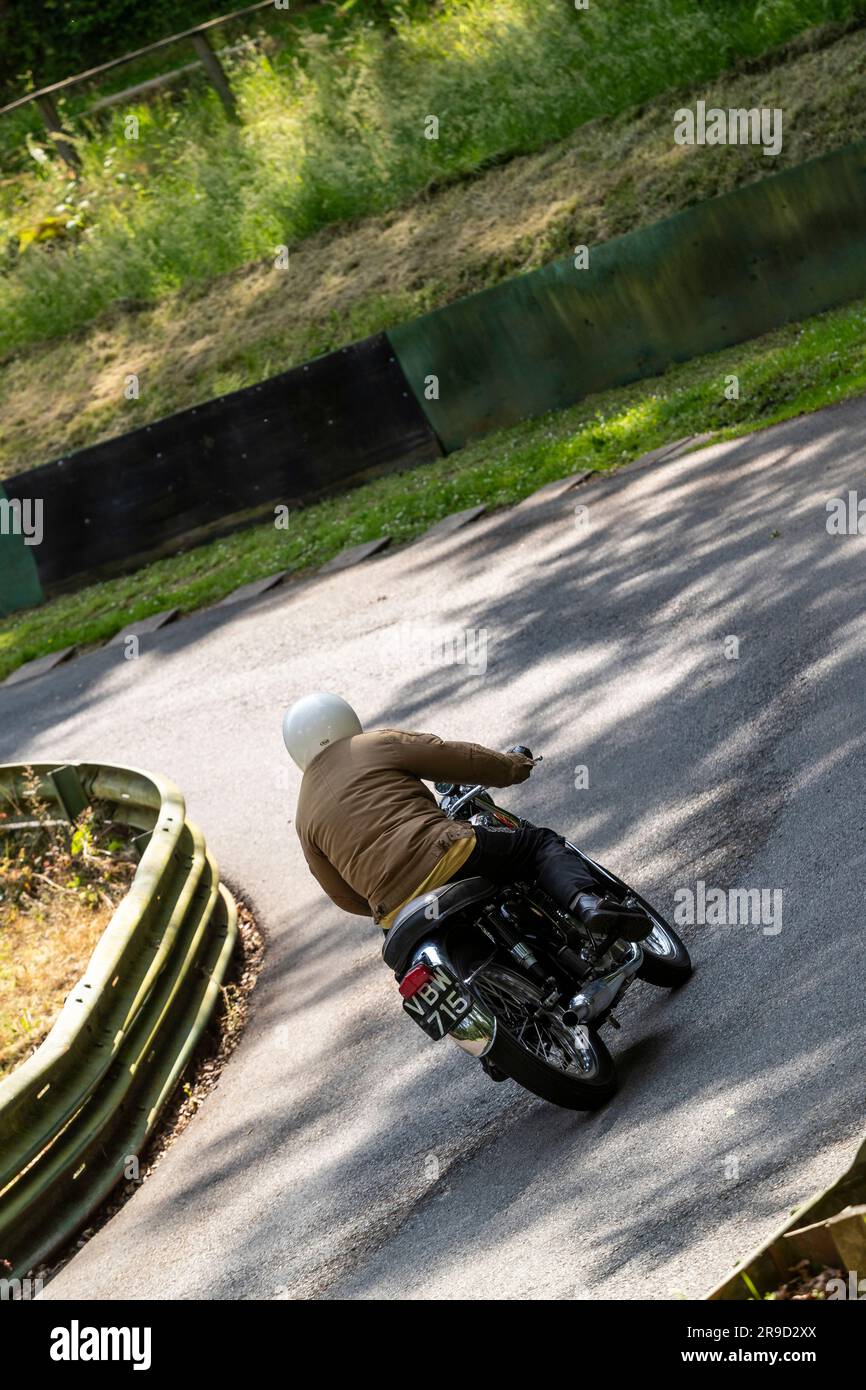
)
(343, 1155)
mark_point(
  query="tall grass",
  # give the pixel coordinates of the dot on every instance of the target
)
(336, 130)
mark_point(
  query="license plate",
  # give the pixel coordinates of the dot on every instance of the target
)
(439, 1005)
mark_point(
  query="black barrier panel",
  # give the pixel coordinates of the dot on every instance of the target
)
(298, 436)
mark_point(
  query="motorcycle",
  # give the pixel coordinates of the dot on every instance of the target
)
(516, 981)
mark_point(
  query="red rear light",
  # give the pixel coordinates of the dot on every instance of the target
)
(417, 977)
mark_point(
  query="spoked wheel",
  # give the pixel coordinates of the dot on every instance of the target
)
(568, 1066)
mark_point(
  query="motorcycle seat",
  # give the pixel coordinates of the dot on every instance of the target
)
(422, 917)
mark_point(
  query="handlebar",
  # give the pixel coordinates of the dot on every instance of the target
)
(524, 752)
(467, 796)
(471, 792)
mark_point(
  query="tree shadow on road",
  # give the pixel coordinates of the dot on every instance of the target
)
(383, 1165)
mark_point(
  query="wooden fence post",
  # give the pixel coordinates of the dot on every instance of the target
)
(214, 69)
(54, 126)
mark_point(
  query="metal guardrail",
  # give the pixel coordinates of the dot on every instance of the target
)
(770, 1266)
(74, 1113)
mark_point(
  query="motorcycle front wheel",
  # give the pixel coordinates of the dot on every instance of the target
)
(570, 1067)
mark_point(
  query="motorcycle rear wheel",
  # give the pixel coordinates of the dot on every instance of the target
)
(570, 1067)
(666, 961)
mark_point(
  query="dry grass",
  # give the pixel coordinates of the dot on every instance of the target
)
(43, 951)
(807, 1285)
(59, 886)
(608, 177)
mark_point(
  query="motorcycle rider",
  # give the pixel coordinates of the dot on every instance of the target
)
(374, 837)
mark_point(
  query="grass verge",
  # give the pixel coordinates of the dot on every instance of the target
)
(794, 370)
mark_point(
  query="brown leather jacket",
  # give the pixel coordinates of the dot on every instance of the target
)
(370, 830)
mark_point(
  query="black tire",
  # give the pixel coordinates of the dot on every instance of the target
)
(542, 1081)
(669, 965)
(573, 1089)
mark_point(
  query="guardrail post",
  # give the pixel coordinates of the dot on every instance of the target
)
(54, 126)
(70, 792)
(214, 69)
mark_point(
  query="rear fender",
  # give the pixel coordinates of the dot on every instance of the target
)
(475, 1030)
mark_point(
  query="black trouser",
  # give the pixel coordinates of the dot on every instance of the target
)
(531, 852)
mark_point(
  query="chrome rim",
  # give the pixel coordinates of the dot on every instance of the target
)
(659, 943)
(513, 1000)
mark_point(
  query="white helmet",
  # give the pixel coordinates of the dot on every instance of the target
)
(310, 724)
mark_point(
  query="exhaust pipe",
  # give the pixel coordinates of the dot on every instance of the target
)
(599, 994)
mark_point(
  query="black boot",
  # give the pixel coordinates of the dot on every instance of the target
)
(608, 916)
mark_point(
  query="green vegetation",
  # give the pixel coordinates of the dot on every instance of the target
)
(796, 369)
(607, 177)
(45, 41)
(52, 39)
(158, 260)
(334, 129)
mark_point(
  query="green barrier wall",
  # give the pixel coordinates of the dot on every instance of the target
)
(790, 245)
(19, 580)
